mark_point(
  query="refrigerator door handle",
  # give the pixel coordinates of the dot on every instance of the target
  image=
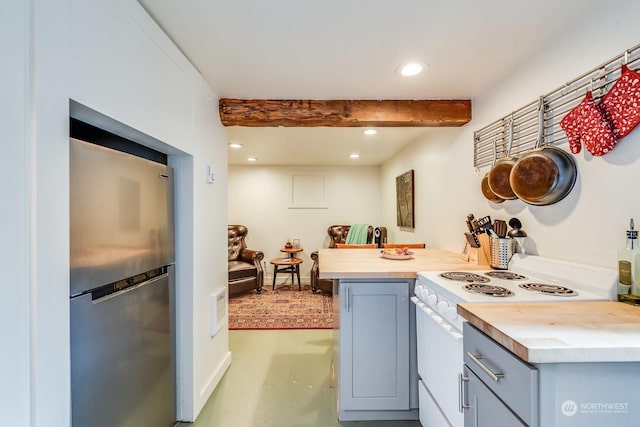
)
(129, 289)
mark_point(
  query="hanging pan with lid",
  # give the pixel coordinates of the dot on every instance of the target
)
(499, 174)
(488, 194)
(544, 175)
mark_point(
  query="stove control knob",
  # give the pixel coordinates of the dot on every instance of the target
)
(432, 299)
(452, 313)
(443, 306)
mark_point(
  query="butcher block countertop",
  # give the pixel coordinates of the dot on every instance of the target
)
(561, 332)
(368, 263)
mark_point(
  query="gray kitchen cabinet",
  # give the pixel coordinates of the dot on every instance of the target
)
(503, 390)
(506, 385)
(374, 350)
(484, 408)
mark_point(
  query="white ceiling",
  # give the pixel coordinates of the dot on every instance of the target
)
(337, 49)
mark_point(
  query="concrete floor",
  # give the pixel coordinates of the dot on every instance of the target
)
(278, 378)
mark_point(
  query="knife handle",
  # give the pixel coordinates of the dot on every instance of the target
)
(470, 218)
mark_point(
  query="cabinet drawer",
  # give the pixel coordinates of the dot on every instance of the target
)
(484, 408)
(512, 380)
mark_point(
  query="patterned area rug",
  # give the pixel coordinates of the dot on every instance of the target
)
(284, 308)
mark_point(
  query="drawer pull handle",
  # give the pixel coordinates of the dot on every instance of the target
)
(462, 405)
(477, 358)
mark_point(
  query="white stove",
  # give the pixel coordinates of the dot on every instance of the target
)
(529, 278)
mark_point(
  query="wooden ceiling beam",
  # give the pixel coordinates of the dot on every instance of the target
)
(344, 113)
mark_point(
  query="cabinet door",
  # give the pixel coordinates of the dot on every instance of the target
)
(374, 345)
(484, 408)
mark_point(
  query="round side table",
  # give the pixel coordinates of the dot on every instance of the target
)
(291, 251)
(286, 265)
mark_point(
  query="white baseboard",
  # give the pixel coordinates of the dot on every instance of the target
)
(211, 385)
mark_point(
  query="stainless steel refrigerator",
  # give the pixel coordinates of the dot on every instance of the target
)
(122, 289)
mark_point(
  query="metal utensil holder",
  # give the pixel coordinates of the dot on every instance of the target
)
(501, 252)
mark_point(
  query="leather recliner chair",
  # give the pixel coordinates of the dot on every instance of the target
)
(337, 234)
(245, 265)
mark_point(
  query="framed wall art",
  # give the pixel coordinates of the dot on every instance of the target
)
(404, 200)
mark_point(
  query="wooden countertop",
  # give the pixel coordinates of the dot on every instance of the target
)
(559, 332)
(368, 264)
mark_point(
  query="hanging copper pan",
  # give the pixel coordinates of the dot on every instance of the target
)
(545, 175)
(498, 178)
(486, 190)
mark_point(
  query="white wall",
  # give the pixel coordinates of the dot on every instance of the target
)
(110, 58)
(260, 196)
(589, 225)
(15, 181)
(443, 183)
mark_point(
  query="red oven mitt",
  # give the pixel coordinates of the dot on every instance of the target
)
(571, 126)
(587, 124)
(621, 105)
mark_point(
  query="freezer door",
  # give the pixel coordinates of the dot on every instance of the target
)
(121, 215)
(122, 369)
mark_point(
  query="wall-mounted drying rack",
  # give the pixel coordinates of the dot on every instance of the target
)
(538, 123)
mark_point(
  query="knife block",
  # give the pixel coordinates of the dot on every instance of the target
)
(478, 256)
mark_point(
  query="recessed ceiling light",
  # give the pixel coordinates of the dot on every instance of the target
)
(252, 159)
(369, 131)
(411, 69)
(235, 145)
(354, 156)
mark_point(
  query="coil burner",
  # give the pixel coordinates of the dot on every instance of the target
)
(489, 290)
(506, 275)
(461, 276)
(547, 289)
